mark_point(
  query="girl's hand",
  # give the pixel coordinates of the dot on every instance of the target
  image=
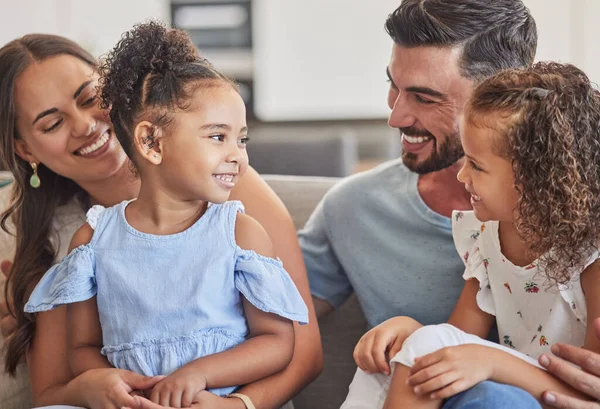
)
(452, 370)
(111, 388)
(8, 324)
(204, 400)
(375, 349)
(179, 389)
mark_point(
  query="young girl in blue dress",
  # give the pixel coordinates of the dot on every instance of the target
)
(179, 282)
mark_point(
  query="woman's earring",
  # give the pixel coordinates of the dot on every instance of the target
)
(34, 180)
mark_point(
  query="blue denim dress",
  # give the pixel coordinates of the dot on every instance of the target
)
(166, 300)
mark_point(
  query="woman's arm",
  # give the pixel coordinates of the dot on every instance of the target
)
(85, 337)
(52, 382)
(262, 204)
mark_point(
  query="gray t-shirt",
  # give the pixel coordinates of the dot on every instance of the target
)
(373, 234)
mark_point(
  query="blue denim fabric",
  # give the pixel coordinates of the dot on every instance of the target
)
(492, 395)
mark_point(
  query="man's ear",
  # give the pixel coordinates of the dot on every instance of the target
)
(147, 141)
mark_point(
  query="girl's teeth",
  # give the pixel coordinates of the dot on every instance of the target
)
(95, 146)
(226, 178)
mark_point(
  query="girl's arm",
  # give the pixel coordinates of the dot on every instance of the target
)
(467, 315)
(590, 283)
(262, 204)
(83, 324)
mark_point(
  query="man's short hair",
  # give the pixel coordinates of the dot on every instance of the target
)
(494, 34)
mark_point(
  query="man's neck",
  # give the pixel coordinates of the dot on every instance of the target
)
(442, 192)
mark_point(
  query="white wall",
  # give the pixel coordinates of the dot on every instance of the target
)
(316, 59)
(313, 59)
(97, 25)
(319, 59)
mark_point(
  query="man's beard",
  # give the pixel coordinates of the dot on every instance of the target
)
(447, 155)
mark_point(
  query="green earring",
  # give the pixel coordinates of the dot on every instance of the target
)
(34, 180)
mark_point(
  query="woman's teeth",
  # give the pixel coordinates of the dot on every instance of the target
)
(416, 139)
(95, 146)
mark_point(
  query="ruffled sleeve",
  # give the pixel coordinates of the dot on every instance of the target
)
(264, 282)
(93, 215)
(72, 280)
(467, 234)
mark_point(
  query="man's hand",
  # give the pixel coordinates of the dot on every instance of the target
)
(586, 379)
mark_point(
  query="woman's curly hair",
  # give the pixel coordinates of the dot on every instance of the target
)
(551, 129)
(151, 71)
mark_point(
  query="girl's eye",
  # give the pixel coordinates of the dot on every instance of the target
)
(422, 100)
(474, 166)
(53, 127)
(244, 140)
(219, 137)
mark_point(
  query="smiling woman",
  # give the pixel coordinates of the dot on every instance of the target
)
(50, 120)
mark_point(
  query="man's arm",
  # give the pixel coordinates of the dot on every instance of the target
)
(322, 307)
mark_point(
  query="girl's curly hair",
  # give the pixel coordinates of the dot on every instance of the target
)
(551, 134)
(151, 71)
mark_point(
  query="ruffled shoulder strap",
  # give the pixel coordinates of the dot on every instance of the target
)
(93, 215)
(467, 233)
(266, 285)
(72, 280)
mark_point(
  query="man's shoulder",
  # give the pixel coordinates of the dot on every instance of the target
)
(381, 179)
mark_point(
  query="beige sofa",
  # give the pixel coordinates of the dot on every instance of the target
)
(341, 329)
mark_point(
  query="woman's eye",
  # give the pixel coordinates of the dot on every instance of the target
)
(89, 101)
(53, 127)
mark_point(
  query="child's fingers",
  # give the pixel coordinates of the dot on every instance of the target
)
(428, 373)
(396, 347)
(363, 357)
(164, 399)
(187, 398)
(436, 383)
(458, 386)
(143, 403)
(379, 355)
(426, 361)
(175, 399)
